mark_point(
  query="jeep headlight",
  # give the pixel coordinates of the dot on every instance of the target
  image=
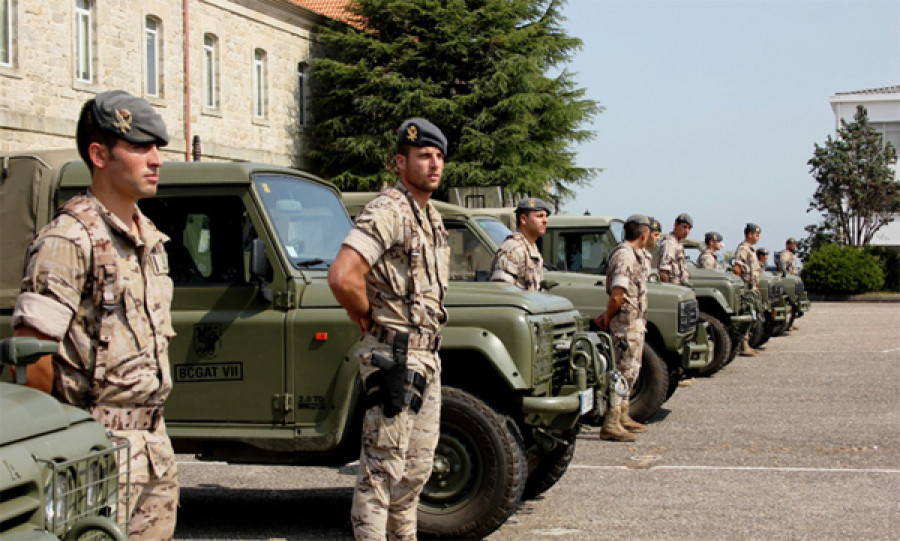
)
(56, 498)
(94, 487)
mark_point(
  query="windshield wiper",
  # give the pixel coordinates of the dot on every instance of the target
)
(309, 262)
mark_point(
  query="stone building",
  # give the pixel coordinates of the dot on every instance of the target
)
(231, 73)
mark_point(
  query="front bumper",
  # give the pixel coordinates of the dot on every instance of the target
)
(695, 352)
(740, 324)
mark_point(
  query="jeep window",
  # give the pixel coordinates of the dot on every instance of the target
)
(585, 252)
(209, 237)
(470, 259)
(310, 221)
(495, 229)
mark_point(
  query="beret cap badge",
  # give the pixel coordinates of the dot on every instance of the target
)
(123, 120)
(412, 132)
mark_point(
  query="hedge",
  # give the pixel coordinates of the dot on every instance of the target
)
(845, 270)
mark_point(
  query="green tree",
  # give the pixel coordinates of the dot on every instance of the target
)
(845, 270)
(476, 68)
(858, 192)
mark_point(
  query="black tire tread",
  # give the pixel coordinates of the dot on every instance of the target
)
(719, 334)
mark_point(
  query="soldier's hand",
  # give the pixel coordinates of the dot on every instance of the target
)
(602, 322)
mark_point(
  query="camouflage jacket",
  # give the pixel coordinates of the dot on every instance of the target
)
(745, 258)
(787, 263)
(707, 260)
(626, 270)
(672, 260)
(518, 262)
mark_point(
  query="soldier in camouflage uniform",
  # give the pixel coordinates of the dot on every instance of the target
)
(762, 259)
(787, 261)
(707, 259)
(391, 276)
(518, 261)
(651, 245)
(747, 267)
(96, 281)
(672, 263)
(625, 317)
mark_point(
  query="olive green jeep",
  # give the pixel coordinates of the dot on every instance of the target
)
(674, 340)
(59, 470)
(263, 363)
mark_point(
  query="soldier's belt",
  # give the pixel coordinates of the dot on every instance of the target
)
(117, 417)
(423, 341)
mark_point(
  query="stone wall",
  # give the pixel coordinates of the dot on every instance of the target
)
(40, 96)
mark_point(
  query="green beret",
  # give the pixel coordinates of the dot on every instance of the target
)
(129, 118)
(533, 203)
(713, 236)
(752, 228)
(684, 218)
(791, 240)
(654, 224)
(418, 132)
(762, 251)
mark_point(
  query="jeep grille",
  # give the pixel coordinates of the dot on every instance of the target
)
(776, 290)
(554, 333)
(688, 314)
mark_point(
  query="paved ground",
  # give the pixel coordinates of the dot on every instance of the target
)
(802, 442)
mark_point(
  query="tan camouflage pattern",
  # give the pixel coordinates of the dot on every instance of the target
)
(383, 234)
(397, 453)
(745, 258)
(518, 262)
(787, 263)
(671, 259)
(626, 269)
(57, 272)
(707, 260)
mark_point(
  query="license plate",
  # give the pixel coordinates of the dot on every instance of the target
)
(587, 401)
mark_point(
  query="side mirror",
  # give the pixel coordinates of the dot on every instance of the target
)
(25, 350)
(260, 269)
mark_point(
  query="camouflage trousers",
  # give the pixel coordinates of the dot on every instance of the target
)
(395, 461)
(628, 338)
(153, 492)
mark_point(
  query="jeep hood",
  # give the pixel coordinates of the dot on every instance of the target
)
(488, 294)
(655, 290)
(27, 413)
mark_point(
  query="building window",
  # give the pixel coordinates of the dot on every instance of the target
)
(210, 71)
(301, 94)
(84, 37)
(152, 33)
(7, 9)
(259, 83)
(890, 132)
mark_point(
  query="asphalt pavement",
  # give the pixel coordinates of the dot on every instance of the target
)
(802, 442)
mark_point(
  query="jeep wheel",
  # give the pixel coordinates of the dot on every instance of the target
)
(736, 341)
(650, 389)
(479, 470)
(761, 334)
(550, 468)
(721, 344)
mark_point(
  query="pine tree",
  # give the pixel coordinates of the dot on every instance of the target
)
(858, 192)
(476, 68)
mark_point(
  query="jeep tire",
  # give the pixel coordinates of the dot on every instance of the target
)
(479, 473)
(721, 343)
(651, 387)
(550, 468)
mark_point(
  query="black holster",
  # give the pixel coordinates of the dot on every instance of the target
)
(393, 385)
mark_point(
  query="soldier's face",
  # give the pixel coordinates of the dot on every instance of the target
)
(682, 230)
(421, 171)
(133, 169)
(753, 237)
(653, 239)
(534, 223)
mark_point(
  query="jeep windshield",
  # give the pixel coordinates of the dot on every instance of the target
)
(309, 219)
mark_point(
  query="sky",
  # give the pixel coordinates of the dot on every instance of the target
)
(713, 107)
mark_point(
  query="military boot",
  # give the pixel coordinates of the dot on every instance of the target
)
(627, 422)
(612, 430)
(746, 350)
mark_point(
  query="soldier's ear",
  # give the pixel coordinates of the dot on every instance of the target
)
(99, 154)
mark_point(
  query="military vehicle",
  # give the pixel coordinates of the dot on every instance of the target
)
(584, 243)
(263, 363)
(798, 301)
(60, 470)
(674, 340)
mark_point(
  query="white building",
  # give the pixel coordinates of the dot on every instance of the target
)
(883, 106)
